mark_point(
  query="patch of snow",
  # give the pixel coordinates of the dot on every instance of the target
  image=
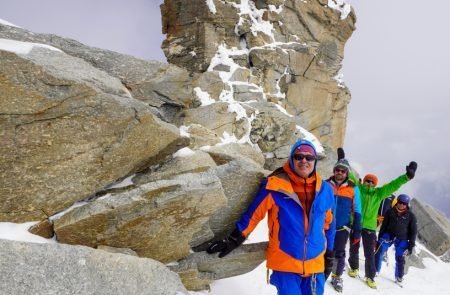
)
(309, 136)
(273, 8)
(184, 152)
(269, 155)
(20, 47)
(211, 6)
(236, 107)
(283, 110)
(247, 7)
(60, 214)
(184, 131)
(204, 96)
(341, 6)
(192, 53)
(340, 80)
(6, 23)
(124, 183)
(19, 232)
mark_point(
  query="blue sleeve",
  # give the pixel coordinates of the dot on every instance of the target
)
(331, 232)
(255, 212)
(357, 210)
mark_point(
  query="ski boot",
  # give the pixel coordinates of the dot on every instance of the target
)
(337, 283)
(353, 272)
(371, 283)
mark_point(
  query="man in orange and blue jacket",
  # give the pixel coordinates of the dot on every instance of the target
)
(300, 208)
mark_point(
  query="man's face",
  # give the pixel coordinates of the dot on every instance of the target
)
(303, 163)
(340, 174)
(369, 182)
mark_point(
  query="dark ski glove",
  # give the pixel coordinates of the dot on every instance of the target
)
(411, 170)
(340, 153)
(329, 258)
(226, 246)
(410, 250)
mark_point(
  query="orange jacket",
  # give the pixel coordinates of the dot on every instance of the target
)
(297, 242)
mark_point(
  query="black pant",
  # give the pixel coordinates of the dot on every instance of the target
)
(369, 238)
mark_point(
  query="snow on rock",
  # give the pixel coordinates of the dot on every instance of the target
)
(341, 6)
(211, 6)
(19, 232)
(184, 152)
(204, 96)
(4, 22)
(309, 136)
(20, 47)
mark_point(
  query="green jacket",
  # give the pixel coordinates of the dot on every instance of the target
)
(371, 198)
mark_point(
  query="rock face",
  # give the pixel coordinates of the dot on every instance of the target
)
(156, 219)
(69, 130)
(112, 152)
(29, 268)
(433, 228)
(198, 270)
(288, 52)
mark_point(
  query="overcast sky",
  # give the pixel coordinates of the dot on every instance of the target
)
(396, 66)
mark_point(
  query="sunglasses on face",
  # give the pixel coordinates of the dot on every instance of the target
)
(300, 157)
(369, 181)
(402, 203)
(339, 170)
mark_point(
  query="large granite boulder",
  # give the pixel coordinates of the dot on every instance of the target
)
(38, 269)
(157, 219)
(165, 87)
(68, 130)
(433, 227)
(198, 270)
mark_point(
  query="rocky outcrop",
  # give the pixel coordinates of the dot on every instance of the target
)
(433, 228)
(158, 159)
(288, 52)
(156, 219)
(68, 131)
(29, 268)
(165, 87)
(198, 270)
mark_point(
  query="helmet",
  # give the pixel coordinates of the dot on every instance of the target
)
(404, 199)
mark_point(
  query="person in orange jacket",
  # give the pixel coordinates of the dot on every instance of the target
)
(300, 208)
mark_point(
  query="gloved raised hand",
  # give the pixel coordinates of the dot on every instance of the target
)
(340, 153)
(329, 259)
(411, 170)
(226, 246)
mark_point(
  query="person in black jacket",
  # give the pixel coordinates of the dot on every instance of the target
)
(399, 227)
(385, 205)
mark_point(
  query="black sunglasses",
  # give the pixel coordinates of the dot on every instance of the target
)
(403, 203)
(339, 170)
(369, 181)
(300, 157)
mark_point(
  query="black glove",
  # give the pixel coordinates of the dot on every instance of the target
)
(329, 258)
(340, 153)
(410, 250)
(411, 170)
(227, 245)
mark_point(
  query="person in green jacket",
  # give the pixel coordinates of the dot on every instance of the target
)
(371, 198)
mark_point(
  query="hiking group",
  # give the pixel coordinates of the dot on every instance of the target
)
(311, 219)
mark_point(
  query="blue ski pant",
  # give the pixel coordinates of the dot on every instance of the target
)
(288, 283)
(383, 244)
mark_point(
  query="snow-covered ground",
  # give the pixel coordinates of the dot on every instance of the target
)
(434, 279)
